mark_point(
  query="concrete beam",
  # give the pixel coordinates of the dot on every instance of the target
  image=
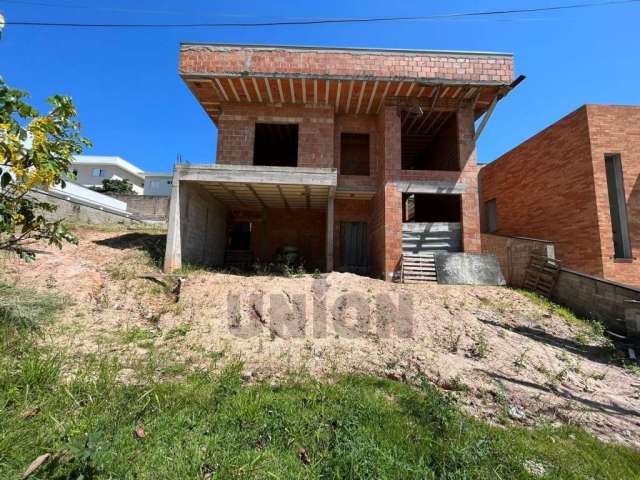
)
(258, 174)
(434, 186)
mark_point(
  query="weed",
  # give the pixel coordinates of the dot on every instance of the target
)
(179, 331)
(21, 308)
(480, 348)
(137, 334)
(521, 359)
(590, 329)
(453, 341)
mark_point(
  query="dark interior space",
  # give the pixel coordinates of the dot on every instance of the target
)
(276, 145)
(240, 236)
(430, 141)
(427, 207)
(354, 154)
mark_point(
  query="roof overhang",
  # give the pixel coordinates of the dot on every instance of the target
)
(259, 187)
(350, 81)
(345, 95)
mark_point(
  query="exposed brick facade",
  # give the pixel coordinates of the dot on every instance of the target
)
(239, 106)
(345, 62)
(236, 129)
(554, 187)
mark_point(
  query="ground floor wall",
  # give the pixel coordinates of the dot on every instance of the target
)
(303, 229)
(616, 305)
(203, 224)
(514, 254)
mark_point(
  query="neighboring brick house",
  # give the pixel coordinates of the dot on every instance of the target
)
(576, 183)
(334, 152)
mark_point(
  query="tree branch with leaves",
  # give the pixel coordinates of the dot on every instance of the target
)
(36, 152)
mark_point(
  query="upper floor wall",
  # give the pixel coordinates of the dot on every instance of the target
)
(321, 107)
(346, 62)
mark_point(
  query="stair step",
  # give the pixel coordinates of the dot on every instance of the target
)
(420, 277)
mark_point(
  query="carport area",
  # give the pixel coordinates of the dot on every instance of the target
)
(236, 215)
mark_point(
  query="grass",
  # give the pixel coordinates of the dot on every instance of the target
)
(593, 329)
(137, 334)
(210, 422)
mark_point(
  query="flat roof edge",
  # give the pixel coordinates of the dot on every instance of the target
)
(363, 50)
(311, 76)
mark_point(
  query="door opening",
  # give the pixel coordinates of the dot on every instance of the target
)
(240, 238)
(354, 247)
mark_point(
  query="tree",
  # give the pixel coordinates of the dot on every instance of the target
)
(116, 185)
(36, 151)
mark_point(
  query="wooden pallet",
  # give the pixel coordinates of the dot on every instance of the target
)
(541, 274)
(418, 268)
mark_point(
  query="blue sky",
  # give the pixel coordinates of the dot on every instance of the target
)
(132, 103)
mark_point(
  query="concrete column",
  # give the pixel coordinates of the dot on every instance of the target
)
(173, 250)
(330, 223)
(468, 166)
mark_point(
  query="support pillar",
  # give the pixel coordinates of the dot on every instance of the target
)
(173, 250)
(468, 165)
(330, 223)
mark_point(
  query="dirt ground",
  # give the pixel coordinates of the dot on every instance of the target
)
(506, 357)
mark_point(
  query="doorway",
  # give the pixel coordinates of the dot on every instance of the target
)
(354, 247)
(240, 237)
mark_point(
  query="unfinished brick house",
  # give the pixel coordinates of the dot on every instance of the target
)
(576, 183)
(347, 157)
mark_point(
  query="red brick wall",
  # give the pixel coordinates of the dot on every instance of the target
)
(303, 229)
(319, 146)
(236, 130)
(544, 189)
(269, 60)
(357, 124)
(616, 129)
(554, 187)
(469, 176)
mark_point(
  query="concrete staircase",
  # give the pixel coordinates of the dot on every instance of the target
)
(418, 268)
(420, 242)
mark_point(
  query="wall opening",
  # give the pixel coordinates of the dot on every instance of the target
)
(429, 208)
(430, 141)
(276, 145)
(354, 154)
(617, 207)
(491, 216)
(240, 236)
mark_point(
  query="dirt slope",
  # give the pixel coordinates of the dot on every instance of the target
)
(510, 359)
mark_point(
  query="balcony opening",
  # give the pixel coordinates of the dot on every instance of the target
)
(354, 154)
(431, 207)
(276, 145)
(430, 141)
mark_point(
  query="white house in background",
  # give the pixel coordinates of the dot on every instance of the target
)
(91, 170)
(158, 184)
